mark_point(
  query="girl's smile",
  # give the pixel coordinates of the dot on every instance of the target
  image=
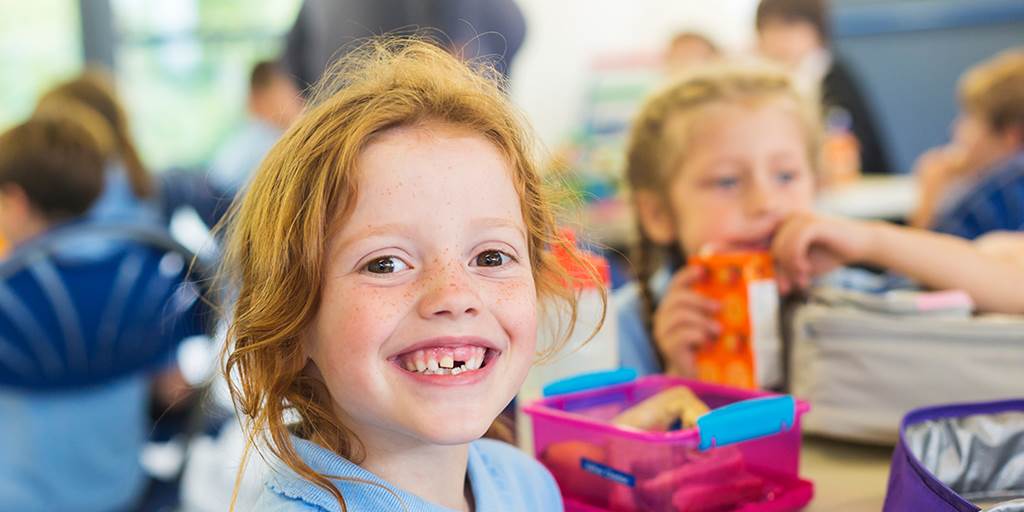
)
(449, 362)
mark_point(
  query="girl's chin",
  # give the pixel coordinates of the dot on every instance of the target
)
(454, 433)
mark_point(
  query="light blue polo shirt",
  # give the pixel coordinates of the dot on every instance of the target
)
(502, 479)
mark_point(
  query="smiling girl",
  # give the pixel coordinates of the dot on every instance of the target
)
(389, 257)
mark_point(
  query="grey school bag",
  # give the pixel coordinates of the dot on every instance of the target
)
(863, 360)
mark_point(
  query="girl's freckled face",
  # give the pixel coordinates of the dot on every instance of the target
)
(438, 212)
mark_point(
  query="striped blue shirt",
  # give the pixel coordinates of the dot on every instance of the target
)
(995, 203)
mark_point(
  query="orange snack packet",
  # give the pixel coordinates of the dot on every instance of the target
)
(744, 285)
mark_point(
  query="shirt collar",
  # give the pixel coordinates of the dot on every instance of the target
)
(359, 485)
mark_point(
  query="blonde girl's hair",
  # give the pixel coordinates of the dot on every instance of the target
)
(94, 88)
(308, 185)
(662, 130)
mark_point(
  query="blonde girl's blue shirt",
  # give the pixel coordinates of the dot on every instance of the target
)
(635, 348)
(502, 479)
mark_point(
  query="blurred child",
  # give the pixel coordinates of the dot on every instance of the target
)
(716, 161)
(129, 192)
(388, 258)
(51, 173)
(724, 160)
(797, 34)
(975, 184)
(273, 104)
(688, 49)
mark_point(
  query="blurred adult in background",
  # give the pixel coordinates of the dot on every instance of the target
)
(797, 33)
(471, 28)
(688, 49)
(129, 192)
(273, 103)
(975, 184)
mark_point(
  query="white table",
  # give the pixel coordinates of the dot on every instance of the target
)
(881, 197)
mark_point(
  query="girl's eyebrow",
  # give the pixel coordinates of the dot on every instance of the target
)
(409, 230)
(377, 230)
(498, 222)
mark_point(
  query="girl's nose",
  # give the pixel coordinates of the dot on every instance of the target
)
(761, 198)
(449, 293)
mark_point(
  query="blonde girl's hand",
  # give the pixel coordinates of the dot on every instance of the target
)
(683, 322)
(808, 245)
(1004, 245)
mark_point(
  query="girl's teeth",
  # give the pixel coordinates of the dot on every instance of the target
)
(443, 362)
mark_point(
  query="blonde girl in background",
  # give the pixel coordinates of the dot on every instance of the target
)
(724, 160)
(716, 161)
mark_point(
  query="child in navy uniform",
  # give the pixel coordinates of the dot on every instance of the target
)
(975, 184)
(63, 450)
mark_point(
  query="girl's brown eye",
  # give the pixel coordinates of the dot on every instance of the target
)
(491, 259)
(385, 265)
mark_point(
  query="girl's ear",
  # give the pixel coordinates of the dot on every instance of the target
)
(19, 219)
(1013, 137)
(15, 201)
(655, 217)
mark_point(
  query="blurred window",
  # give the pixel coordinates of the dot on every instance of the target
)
(183, 69)
(40, 44)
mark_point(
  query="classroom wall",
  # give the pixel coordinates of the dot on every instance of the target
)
(565, 36)
(909, 53)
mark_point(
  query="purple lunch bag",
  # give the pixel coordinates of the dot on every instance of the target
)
(959, 458)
